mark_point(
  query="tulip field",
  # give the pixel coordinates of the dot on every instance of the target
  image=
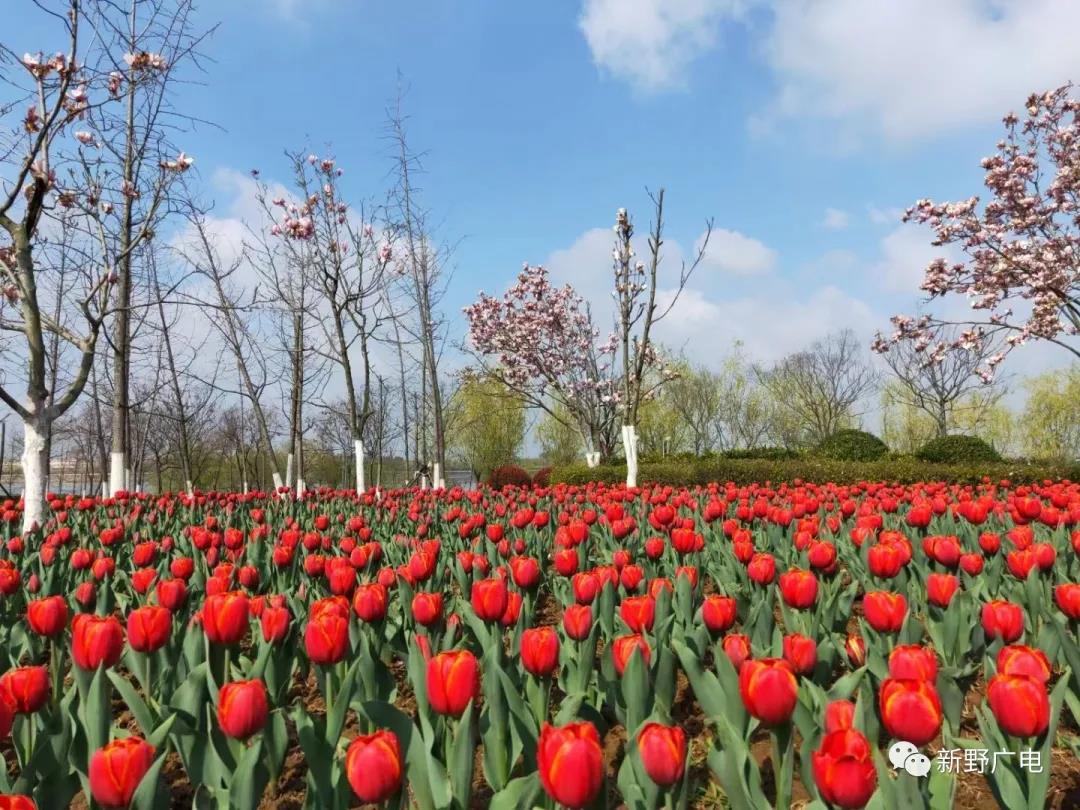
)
(817, 646)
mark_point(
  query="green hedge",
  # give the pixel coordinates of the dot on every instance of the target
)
(906, 470)
(853, 445)
(957, 450)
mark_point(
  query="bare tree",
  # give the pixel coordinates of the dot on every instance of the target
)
(816, 390)
(638, 311)
(424, 281)
(61, 92)
(940, 373)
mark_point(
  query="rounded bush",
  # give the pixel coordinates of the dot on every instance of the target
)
(542, 477)
(775, 453)
(957, 450)
(853, 445)
(509, 475)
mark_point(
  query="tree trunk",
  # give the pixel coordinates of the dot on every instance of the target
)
(34, 465)
(630, 443)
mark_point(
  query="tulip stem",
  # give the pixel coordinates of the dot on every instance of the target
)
(782, 740)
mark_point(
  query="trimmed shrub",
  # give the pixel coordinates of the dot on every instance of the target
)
(816, 470)
(508, 475)
(761, 452)
(542, 477)
(957, 450)
(853, 445)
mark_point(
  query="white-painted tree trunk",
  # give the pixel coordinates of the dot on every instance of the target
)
(288, 470)
(33, 466)
(117, 467)
(436, 476)
(300, 489)
(190, 488)
(104, 489)
(358, 448)
(246, 486)
(592, 458)
(629, 437)
(278, 483)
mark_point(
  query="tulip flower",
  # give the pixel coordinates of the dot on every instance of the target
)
(1018, 659)
(800, 652)
(910, 709)
(718, 613)
(1004, 620)
(638, 612)
(540, 651)
(13, 802)
(839, 715)
(798, 588)
(578, 621)
(737, 649)
(571, 763)
(884, 611)
(96, 641)
(116, 770)
(1067, 597)
(274, 622)
(225, 617)
(326, 637)
(48, 616)
(1020, 704)
(374, 767)
(843, 768)
(940, 589)
(490, 599)
(453, 679)
(369, 602)
(623, 647)
(663, 752)
(25, 689)
(769, 689)
(242, 708)
(427, 608)
(913, 661)
(148, 628)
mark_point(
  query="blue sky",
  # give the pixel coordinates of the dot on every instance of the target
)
(800, 127)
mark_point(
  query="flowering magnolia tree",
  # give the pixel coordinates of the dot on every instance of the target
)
(540, 341)
(1021, 269)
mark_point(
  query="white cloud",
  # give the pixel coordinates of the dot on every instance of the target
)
(884, 216)
(651, 43)
(835, 219)
(769, 326)
(736, 253)
(918, 68)
(905, 253)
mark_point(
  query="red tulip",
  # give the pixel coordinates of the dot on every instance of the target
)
(96, 641)
(453, 679)
(940, 589)
(242, 708)
(885, 611)
(801, 653)
(571, 763)
(326, 637)
(489, 599)
(737, 649)
(48, 616)
(839, 715)
(1017, 659)
(578, 621)
(762, 568)
(910, 709)
(427, 608)
(274, 622)
(225, 617)
(663, 752)
(798, 588)
(117, 768)
(843, 767)
(526, 572)
(1004, 620)
(374, 767)
(25, 689)
(622, 647)
(1067, 597)
(769, 689)
(148, 628)
(913, 661)
(540, 651)
(369, 602)
(718, 613)
(13, 802)
(172, 593)
(638, 612)
(1020, 704)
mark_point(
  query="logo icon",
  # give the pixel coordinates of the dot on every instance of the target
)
(905, 756)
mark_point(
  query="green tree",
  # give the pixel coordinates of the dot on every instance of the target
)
(1051, 423)
(488, 425)
(560, 443)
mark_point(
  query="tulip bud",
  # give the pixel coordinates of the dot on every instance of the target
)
(540, 651)
(843, 768)
(95, 641)
(1020, 704)
(242, 708)
(148, 628)
(48, 616)
(910, 709)
(374, 767)
(769, 690)
(116, 770)
(663, 752)
(453, 679)
(571, 763)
